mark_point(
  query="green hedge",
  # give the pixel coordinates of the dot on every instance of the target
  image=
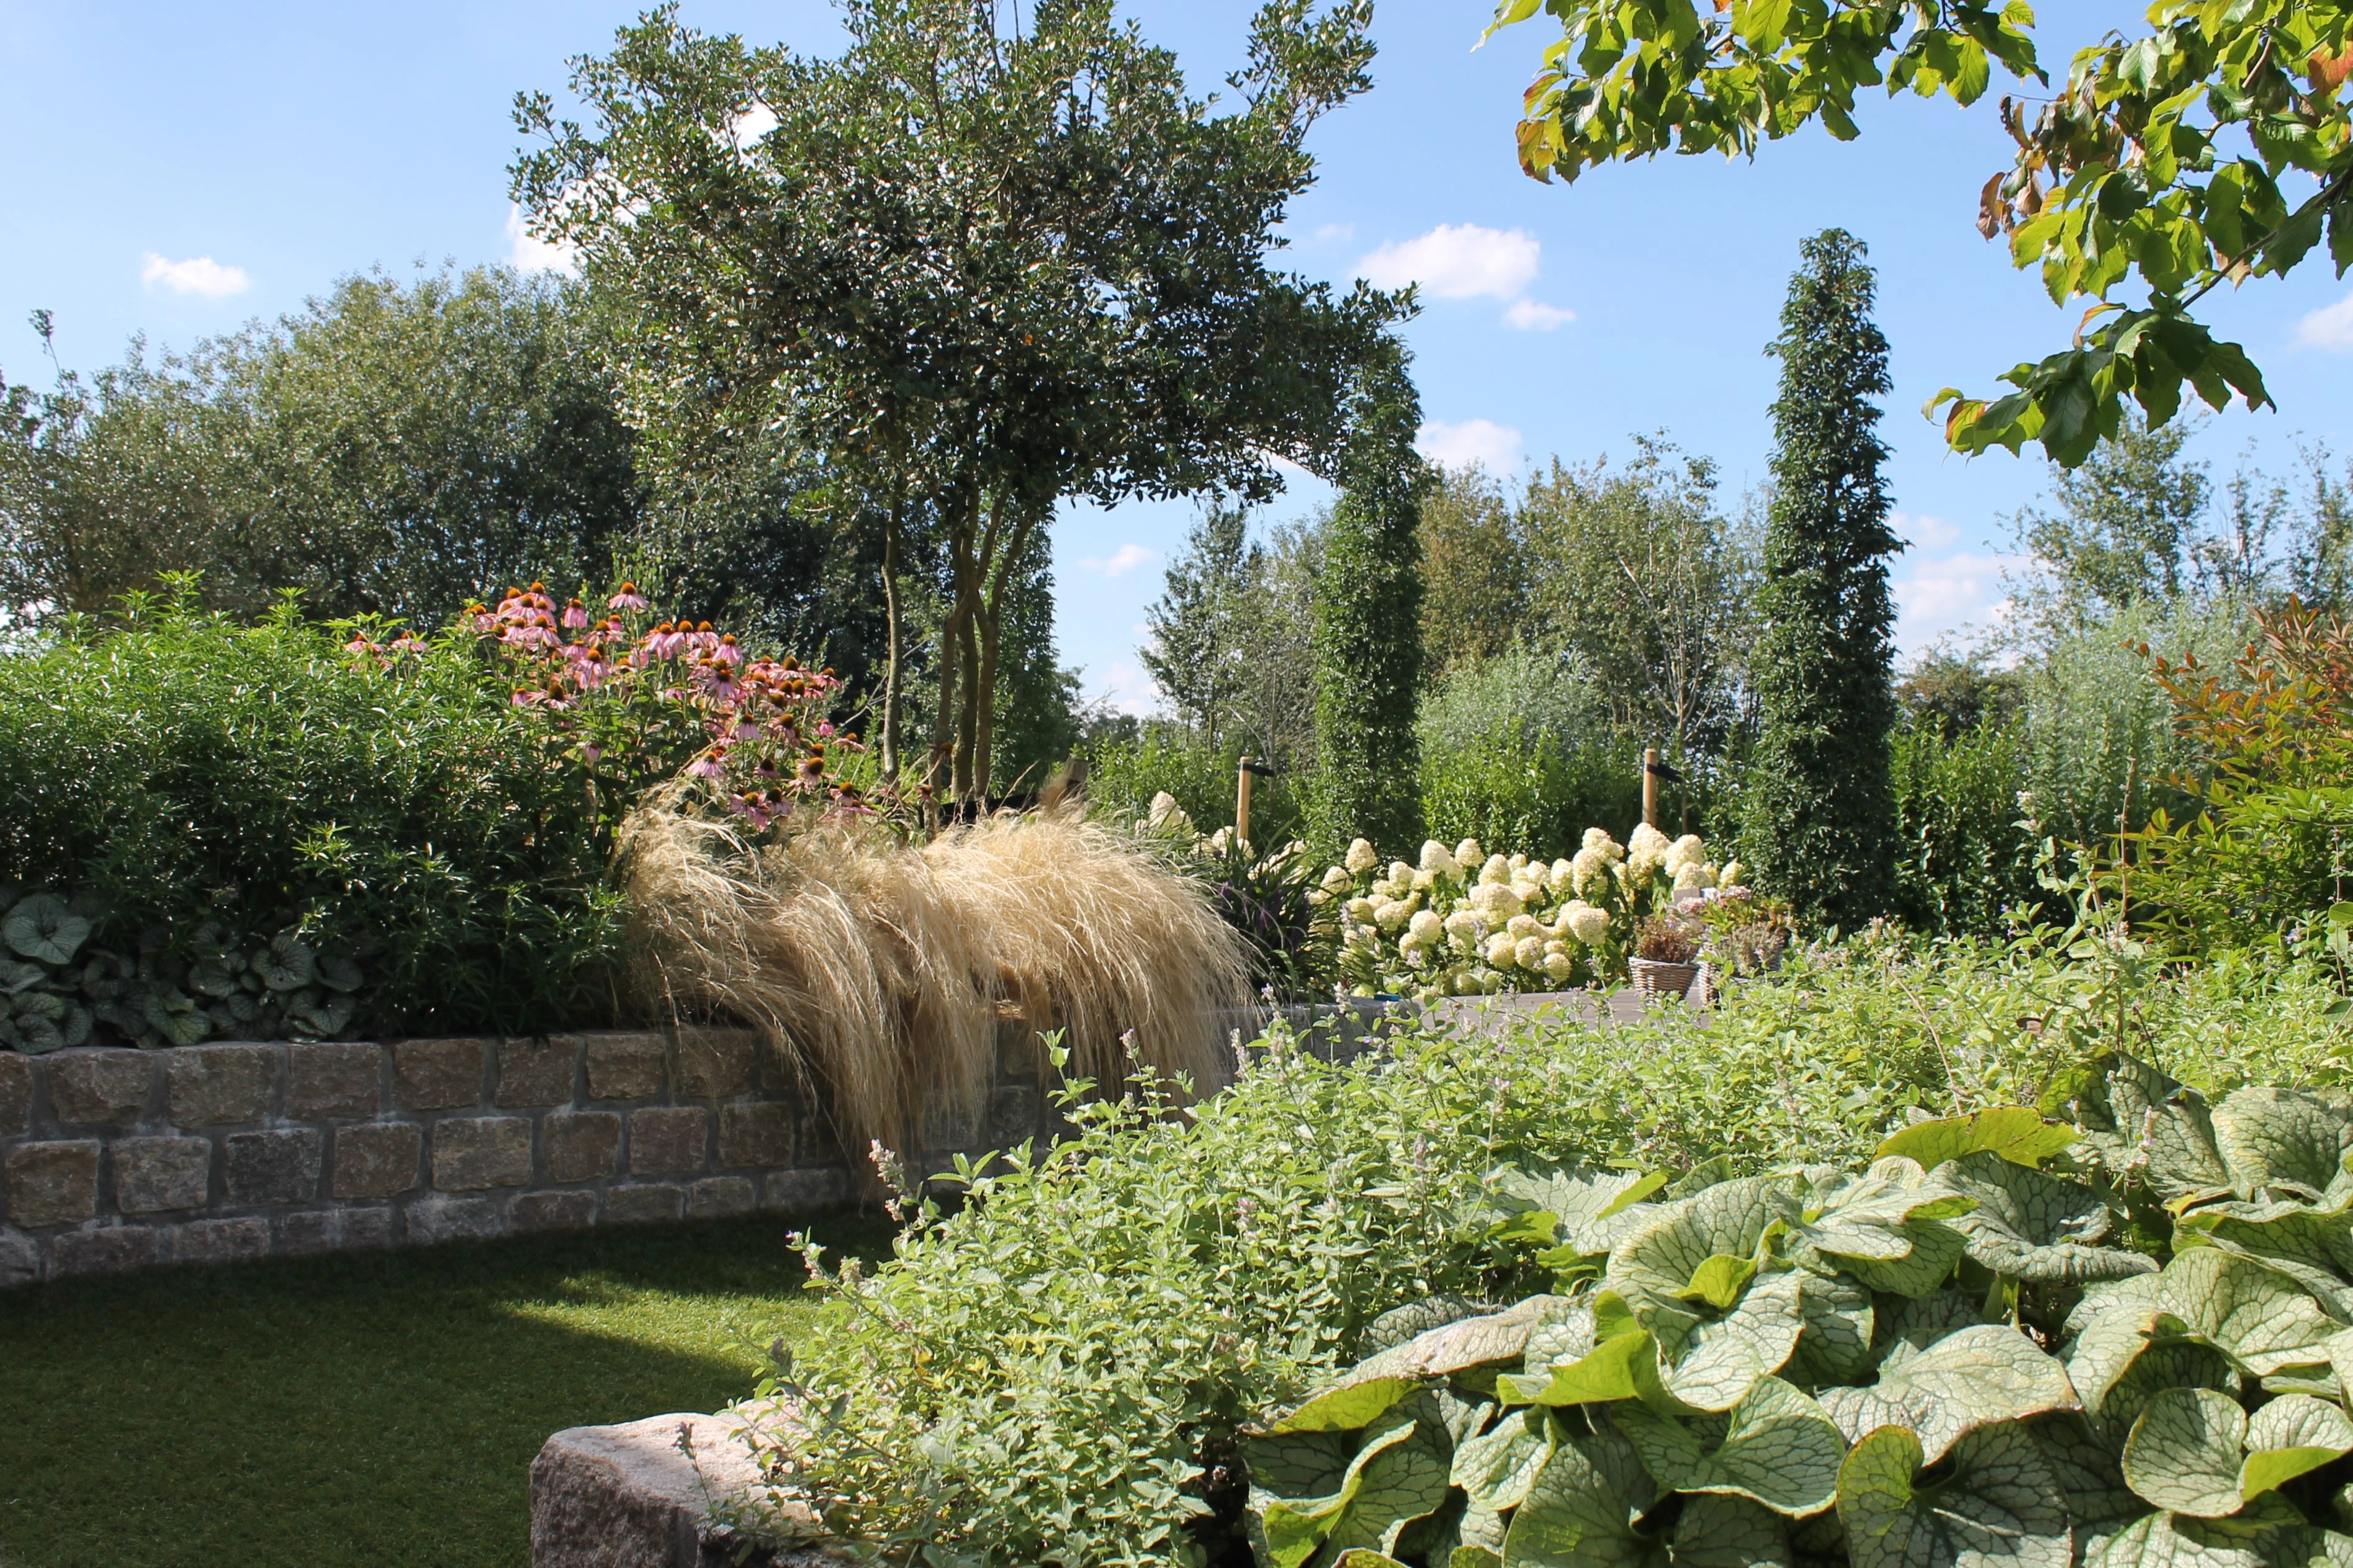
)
(181, 777)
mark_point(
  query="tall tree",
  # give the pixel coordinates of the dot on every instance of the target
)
(994, 266)
(2127, 524)
(1198, 655)
(1475, 572)
(1368, 652)
(1823, 804)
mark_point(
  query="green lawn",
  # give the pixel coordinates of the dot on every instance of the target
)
(363, 1409)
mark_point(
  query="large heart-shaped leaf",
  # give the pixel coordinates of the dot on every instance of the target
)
(1654, 1263)
(44, 929)
(2140, 1120)
(1590, 1209)
(1839, 1317)
(2017, 1133)
(2034, 1226)
(1777, 1447)
(289, 963)
(1722, 1531)
(1583, 1505)
(1973, 1377)
(1999, 1507)
(2290, 1437)
(2087, 1473)
(1907, 1328)
(2183, 1453)
(2280, 1139)
(2268, 1534)
(1722, 1360)
(1400, 1485)
(1400, 1325)
(2310, 1245)
(1380, 1381)
(2258, 1317)
(1496, 1467)
(1288, 1530)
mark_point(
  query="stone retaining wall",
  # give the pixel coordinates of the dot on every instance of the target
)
(112, 1160)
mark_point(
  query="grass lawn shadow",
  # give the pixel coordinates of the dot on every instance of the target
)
(380, 1408)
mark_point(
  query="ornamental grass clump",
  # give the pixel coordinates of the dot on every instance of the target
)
(885, 965)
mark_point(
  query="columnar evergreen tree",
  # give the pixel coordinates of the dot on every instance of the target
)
(1368, 655)
(1823, 804)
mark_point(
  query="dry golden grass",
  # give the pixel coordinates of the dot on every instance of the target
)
(886, 967)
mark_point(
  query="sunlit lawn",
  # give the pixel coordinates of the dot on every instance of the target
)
(377, 1409)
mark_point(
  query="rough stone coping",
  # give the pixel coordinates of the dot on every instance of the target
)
(629, 1497)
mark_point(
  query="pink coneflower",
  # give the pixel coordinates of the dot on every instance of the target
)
(628, 598)
(575, 615)
(711, 764)
(810, 773)
(525, 697)
(408, 642)
(825, 729)
(591, 753)
(727, 652)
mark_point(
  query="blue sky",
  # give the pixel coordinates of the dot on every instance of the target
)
(179, 170)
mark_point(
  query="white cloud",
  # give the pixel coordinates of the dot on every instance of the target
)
(1936, 599)
(1533, 316)
(198, 275)
(1458, 261)
(1130, 690)
(751, 125)
(1125, 559)
(526, 252)
(1335, 233)
(1482, 441)
(2329, 328)
(1922, 531)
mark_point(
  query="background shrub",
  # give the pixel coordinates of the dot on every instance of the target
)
(1961, 857)
(184, 770)
(1518, 752)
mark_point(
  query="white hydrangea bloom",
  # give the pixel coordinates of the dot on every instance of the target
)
(1496, 870)
(1361, 856)
(1337, 877)
(1599, 840)
(1497, 901)
(1688, 850)
(1589, 866)
(1427, 927)
(1523, 925)
(1731, 874)
(1695, 874)
(1558, 967)
(1165, 815)
(1360, 911)
(1518, 863)
(1587, 924)
(1400, 874)
(1555, 945)
(1647, 840)
(1640, 866)
(1504, 950)
(1564, 872)
(1528, 952)
(1464, 930)
(1219, 842)
(1393, 915)
(1424, 882)
(1439, 860)
(1468, 853)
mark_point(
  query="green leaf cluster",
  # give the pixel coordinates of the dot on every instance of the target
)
(1943, 1358)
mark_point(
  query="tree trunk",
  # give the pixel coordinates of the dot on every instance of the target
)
(991, 619)
(893, 526)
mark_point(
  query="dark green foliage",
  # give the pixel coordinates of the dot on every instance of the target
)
(1124, 775)
(1368, 655)
(1199, 652)
(1822, 809)
(1962, 855)
(181, 771)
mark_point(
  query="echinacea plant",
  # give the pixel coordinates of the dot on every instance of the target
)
(1957, 1358)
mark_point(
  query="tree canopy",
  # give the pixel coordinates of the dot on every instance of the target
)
(999, 266)
(2216, 145)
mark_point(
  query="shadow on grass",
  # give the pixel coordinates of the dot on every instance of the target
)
(365, 1409)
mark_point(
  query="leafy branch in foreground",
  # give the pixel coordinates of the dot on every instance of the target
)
(2171, 159)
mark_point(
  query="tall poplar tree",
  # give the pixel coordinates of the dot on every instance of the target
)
(1822, 803)
(1368, 653)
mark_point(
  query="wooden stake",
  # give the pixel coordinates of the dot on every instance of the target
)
(1242, 804)
(1651, 785)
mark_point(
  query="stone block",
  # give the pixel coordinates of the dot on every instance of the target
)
(717, 1195)
(667, 1139)
(821, 1144)
(367, 1227)
(115, 1250)
(1020, 1053)
(624, 1066)
(581, 1145)
(804, 1190)
(377, 1159)
(20, 1259)
(536, 1072)
(98, 1088)
(52, 1184)
(334, 1077)
(220, 1086)
(1012, 1114)
(714, 1063)
(269, 1168)
(221, 1240)
(760, 1134)
(437, 1075)
(555, 1211)
(641, 1205)
(456, 1219)
(473, 1152)
(779, 1067)
(15, 1095)
(602, 1496)
(152, 1174)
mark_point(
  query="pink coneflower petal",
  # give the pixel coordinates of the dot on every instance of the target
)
(628, 598)
(575, 615)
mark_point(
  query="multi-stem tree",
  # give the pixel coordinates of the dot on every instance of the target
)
(988, 265)
(1822, 803)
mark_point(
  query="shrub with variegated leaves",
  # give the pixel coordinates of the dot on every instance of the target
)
(1953, 1359)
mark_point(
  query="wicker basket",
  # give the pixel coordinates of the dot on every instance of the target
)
(1653, 977)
